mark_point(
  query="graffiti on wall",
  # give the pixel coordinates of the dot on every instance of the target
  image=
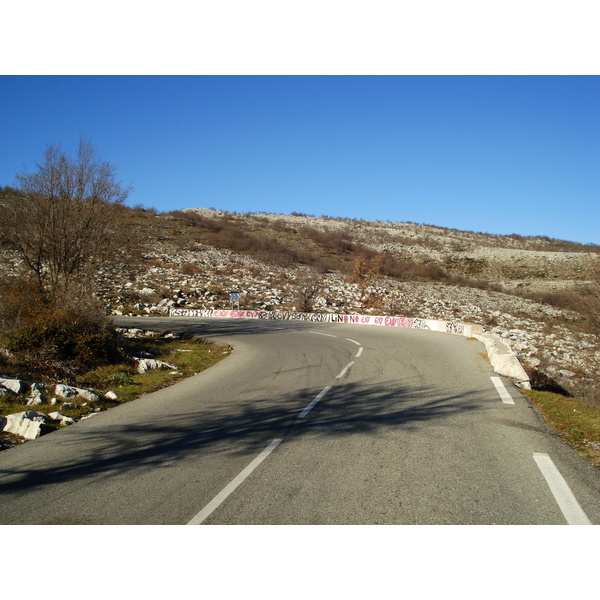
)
(295, 316)
(404, 322)
(455, 328)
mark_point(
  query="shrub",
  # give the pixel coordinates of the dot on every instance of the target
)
(189, 269)
(62, 342)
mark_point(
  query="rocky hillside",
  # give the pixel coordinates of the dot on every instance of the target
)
(524, 289)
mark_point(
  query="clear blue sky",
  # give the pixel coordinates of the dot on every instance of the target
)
(498, 154)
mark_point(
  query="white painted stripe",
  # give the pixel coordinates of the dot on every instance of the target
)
(562, 492)
(343, 371)
(353, 341)
(231, 487)
(359, 352)
(325, 334)
(313, 403)
(506, 397)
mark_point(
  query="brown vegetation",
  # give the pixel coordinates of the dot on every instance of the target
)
(323, 250)
(58, 227)
(69, 207)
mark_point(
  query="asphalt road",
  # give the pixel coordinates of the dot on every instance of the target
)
(309, 424)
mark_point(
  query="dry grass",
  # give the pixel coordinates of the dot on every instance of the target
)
(190, 356)
(576, 421)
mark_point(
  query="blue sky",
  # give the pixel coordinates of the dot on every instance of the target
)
(499, 154)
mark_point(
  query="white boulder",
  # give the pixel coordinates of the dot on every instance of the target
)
(36, 396)
(27, 424)
(67, 392)
(16, 386)
(56, 416)
(87, 394)
(148, 364)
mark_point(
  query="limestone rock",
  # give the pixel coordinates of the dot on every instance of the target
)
(35, 400)
(147, 364)
(56, 416)
(67, 392)
(87, 394)
(566, 373)
(16, 386)
(29, 424)
(133, 332)
(36, 395)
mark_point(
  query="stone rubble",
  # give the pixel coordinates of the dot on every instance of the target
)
(31, 424)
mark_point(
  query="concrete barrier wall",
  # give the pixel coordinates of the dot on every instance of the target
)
(503, 360)
(453, 327)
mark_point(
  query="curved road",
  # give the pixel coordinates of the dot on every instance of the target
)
(309, 424)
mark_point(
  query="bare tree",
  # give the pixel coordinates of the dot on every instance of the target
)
(307, 290)
(366, 272)
(61, 221)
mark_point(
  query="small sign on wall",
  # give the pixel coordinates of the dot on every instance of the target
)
(234, 297)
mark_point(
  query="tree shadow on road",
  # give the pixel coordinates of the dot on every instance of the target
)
(211, 327)
(90, 450)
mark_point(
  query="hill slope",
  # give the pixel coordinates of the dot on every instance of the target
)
(528, 290)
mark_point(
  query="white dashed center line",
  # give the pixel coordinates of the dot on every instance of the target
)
(313, 403)
(235, 483)
(344, 370)
(231, 487)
